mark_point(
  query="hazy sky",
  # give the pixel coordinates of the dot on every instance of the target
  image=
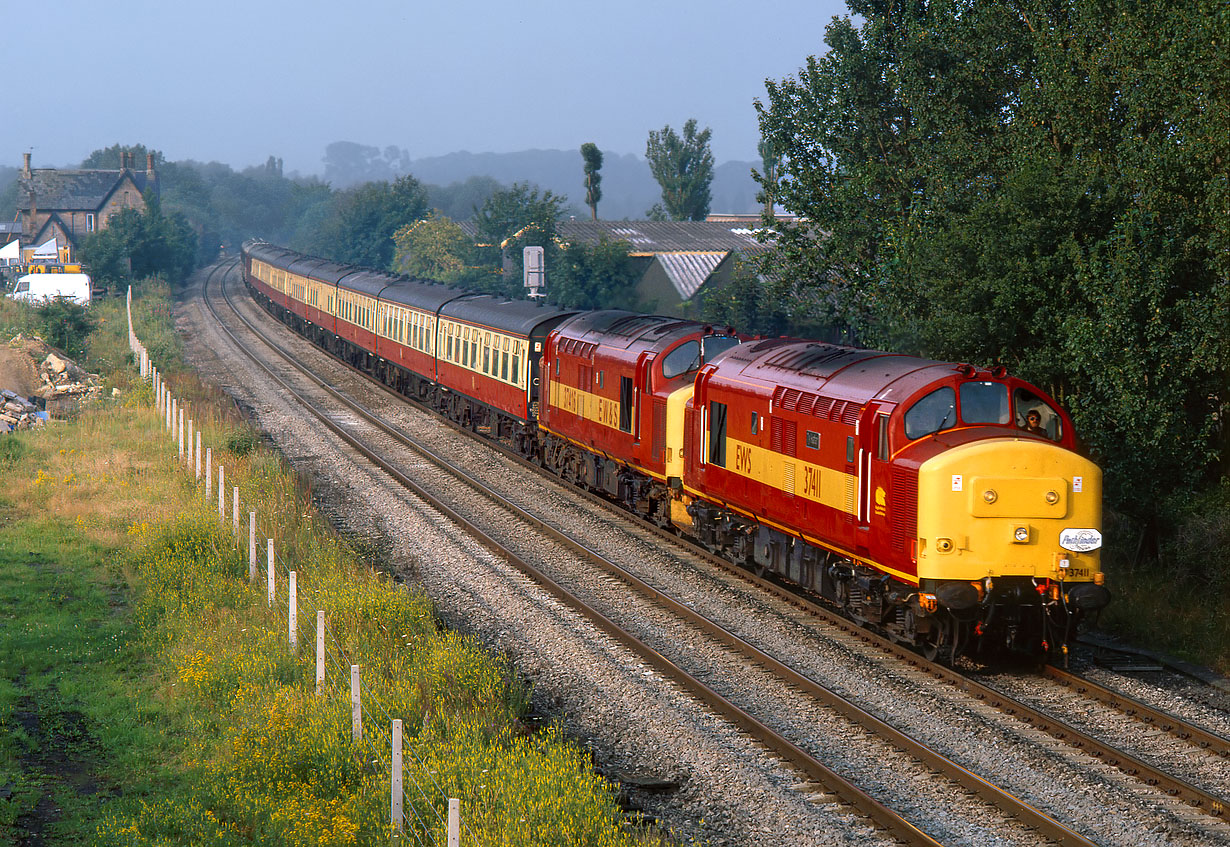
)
(236, 82)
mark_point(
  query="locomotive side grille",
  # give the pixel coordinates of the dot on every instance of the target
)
(786, 398)
(849, 415)
(775, 442)
(790, 439)
(823, 406)
(659, 429)
(851, 498)
(903, 515)
(788, 478)
(807, 403)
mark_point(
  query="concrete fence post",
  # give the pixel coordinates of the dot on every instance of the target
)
(235, 511)
(189, 442)
(198, 456)
(181, 434)
(395, 782)
(292, 617)
(209, 457)
(454, 822)
(320, 652)
(269, 573)
(221, 492)
(356, 708)
(251, 546)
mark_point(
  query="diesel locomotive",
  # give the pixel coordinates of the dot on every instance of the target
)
(940, 503)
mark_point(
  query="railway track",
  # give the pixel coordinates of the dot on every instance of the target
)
(788, 750)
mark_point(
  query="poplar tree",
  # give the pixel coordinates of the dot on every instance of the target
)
(593, 179)
(683, 166)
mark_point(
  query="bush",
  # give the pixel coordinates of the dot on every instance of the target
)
(67, 325)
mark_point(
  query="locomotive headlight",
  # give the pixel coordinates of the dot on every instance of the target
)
(1052, 497)
(1020, 534)
(990, 496)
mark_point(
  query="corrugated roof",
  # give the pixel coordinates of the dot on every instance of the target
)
(665, 236)
(688, 271)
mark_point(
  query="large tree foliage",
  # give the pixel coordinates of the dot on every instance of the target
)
(511, 220)
(436, 248)
(1041, 184)
(136, 244)
(363, 220)
(592, 157)
(683, 166)
(598, 276)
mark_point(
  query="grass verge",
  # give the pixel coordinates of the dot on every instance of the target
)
(149, 695)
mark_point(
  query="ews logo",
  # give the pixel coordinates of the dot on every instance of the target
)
(743, 459)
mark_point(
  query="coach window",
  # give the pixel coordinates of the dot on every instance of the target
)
(934, 412)
(516, 363)
(504, 362)
(717, 434)
(486, 354)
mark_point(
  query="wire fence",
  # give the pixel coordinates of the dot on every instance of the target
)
(381, 740)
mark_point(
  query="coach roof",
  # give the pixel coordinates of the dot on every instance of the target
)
(518, 317)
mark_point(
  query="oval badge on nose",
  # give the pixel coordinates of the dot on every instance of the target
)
(1080, 540)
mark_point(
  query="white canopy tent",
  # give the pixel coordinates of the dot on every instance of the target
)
(10, 254)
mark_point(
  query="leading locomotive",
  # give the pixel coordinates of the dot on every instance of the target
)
(941, 503)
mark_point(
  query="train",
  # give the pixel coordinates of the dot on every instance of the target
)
(942, 504)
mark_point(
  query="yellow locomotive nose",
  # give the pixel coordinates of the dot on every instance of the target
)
(1009, 507)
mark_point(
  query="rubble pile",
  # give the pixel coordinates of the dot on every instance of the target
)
(18, 412)
(63, 379)
(38, 382)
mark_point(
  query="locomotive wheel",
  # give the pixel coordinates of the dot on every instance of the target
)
(937, 645)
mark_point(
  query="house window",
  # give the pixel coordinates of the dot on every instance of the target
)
(89, 222)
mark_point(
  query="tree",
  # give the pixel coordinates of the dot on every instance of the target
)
(434, 248)
(599, 276)
(1021, 183)
(511, 220)
(593, 179)
(108, 158)
(360, 229)
(136, 244)
(771, 162)
(683, 166)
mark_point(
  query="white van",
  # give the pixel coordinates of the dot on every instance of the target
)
(39, 288)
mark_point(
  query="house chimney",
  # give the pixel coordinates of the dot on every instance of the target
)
(123, 159)
(25, 165)
(149, 165)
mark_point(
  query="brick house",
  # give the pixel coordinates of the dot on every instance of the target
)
(68, 205)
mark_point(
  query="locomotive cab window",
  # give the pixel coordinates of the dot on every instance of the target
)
(684, 358)
(984, 402)
(1033, 414)
(934, 412)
